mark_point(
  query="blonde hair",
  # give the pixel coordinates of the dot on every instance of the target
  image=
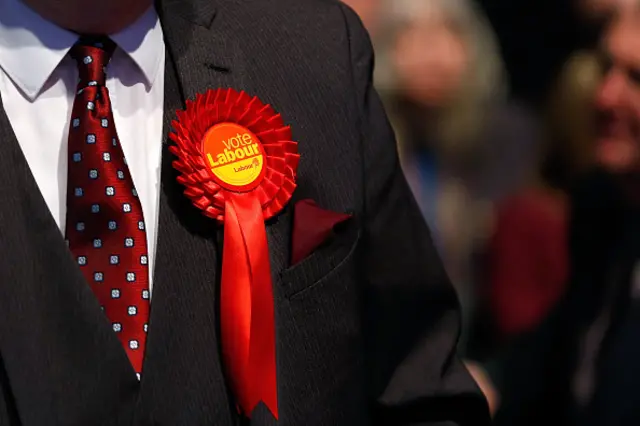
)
(571, 114)
(485, 79)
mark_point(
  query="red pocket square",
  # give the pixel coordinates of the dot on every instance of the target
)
(312, 226)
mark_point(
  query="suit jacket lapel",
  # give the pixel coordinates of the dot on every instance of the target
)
(52, 332)
(183, 345)
(203, 37)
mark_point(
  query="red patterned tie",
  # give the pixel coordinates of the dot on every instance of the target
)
(105, 226)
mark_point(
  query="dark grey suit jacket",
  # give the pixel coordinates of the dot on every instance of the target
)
(366, 326)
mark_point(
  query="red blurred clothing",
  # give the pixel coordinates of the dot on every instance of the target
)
(528, 260)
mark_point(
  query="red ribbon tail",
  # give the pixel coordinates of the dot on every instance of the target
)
(248, 323)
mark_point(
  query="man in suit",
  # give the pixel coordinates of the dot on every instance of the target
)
(110, 288)
(581, 366)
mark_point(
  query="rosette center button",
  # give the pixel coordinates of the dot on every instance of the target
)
(235, 156)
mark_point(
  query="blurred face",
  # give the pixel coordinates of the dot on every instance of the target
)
(430, 60)
(618, 99)
(101, 17)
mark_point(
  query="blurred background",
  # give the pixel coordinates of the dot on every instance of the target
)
(490, 101)
(494, 107)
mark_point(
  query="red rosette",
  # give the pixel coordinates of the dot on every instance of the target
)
(229, 106)
(238, 164)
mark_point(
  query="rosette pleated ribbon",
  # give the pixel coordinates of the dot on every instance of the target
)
(269, 166)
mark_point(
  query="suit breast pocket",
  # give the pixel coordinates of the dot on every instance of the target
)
(322, 263)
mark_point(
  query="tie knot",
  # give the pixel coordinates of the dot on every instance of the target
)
(92, 55)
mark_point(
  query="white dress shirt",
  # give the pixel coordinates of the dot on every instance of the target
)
(37, 86)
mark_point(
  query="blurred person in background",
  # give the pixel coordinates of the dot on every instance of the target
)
(580, 367)
(528, 260)
(461, 146)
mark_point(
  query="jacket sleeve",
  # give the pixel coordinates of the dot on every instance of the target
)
(413, 315)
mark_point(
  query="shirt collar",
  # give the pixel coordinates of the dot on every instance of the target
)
(143, 42)
(31, 47)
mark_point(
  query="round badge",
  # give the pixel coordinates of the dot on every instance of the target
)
(234, 155)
